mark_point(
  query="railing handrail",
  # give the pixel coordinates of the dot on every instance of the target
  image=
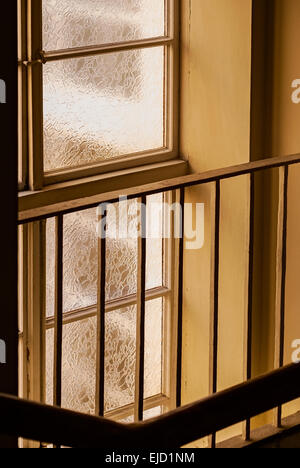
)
(67, 207)
(34, 421)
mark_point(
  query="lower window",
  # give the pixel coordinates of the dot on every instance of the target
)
(80, 284)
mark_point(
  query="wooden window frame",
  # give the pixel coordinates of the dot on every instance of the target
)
(38, 188)
(31, 60)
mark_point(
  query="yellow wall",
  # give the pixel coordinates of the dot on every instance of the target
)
(286, 140)
(215, 132)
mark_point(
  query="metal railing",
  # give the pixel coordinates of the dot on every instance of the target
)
(188, 422)
(61, 427)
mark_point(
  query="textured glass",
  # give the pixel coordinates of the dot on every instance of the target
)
(76, 23)
(79, 369)
(79, 359)
(153, 413)
(153, 348)
(129, 420)
(154, 276)
(100, 108)
(120, 358)
(81, 259)
(50, 266)
(79, 362)
(49, 365)
(121, 250)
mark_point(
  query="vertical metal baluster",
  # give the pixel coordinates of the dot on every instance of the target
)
(101, 303)
(281, 276)
(58, 319)
(180, 303)
(249, 299)
(214, 298)
(141, 312)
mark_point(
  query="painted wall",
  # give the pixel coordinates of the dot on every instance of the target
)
(215, 132)
(286, 140)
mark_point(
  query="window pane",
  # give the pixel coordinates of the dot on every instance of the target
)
(79, 359)
(79, 368)
(79, 362)
(121, 252)
(50, 266)
(80, 267)
(120, 358)
(154, 278)
(153, 348)
(153, 413)
(76, 23)
(100, 108)
(80, 270)
(80, 258)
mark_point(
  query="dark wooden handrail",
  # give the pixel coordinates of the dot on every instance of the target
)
(191, 180)
(54, 425)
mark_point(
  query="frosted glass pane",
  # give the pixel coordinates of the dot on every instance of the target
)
(79, 366)
(153, 413)
(80, 260)
(49, 365)
(154, 276)
(50, 266)
(120, 358)
(75, 23)
(129, 420)
(79, 362)
(121, 253)
(80, 267)
(79, 359)
(153, 348)
(100, 108)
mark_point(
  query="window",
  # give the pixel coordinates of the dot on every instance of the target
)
(97, 85)
(80, 311)
(97, 92)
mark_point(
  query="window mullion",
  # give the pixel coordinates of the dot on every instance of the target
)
(81, 52)
(172, 78)
(32, 307)
(36, 263)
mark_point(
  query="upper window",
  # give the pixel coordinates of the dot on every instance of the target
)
(80, 23)
(99, 90)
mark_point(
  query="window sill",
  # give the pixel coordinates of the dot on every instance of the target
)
(65, 192)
